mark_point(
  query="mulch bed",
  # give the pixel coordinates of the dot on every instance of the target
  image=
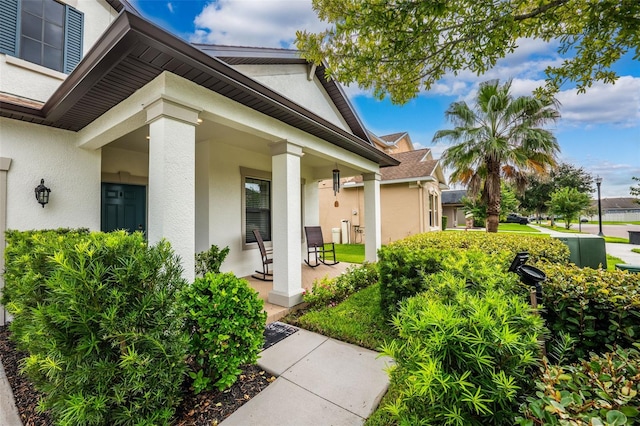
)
(207, 408)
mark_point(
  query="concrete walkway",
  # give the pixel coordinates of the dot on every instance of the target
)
(621, 250)
(8, 411)
(321, 381)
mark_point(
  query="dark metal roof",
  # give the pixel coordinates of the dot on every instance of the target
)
(118, 5)
(133, 51)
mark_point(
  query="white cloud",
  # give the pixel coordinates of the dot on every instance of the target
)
(265, 23)
(617, 104)
(170, 7)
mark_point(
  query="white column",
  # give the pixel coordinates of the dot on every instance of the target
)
(286, 235)
(373, 233)
(172, 179)
(5, 164)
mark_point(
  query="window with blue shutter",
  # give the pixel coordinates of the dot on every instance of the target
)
(44, 32)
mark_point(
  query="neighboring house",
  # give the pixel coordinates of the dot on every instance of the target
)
(410, 201)
(195, 144)
(617, 209)
(452, 207)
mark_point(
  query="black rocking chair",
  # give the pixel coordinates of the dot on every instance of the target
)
(267, 259)
(316, 246)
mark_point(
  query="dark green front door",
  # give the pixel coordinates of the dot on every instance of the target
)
(123, 207)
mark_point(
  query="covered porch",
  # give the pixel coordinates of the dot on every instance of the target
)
(308, 277)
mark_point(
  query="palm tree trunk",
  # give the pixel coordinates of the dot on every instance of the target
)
(492, 191)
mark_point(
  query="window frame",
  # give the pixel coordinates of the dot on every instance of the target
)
(41, 41)
(259, 175)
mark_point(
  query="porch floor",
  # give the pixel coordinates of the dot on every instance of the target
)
(309, 275)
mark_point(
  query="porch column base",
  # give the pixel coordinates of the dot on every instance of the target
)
(287, 300)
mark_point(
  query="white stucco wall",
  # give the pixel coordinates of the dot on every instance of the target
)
(24, 79)
(292, 82)
(72, 174)
(115, 160)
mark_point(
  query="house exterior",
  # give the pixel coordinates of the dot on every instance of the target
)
(410, 196)
(131, 127)
(452, 207)
(617, 209)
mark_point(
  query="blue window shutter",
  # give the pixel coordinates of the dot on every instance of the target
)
(73, 27)
(9, 27)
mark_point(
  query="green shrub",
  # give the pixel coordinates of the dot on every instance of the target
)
(444, 222)
(210, 260)
(463, 353)
(603, 390)
(539, 247)
(595, 307)
(226, 321)
(330, 292)
(403, 271)
(100, 318)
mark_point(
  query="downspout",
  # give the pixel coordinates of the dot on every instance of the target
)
(421, 207)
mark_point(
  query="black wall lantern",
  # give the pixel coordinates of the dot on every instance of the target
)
(42, 193)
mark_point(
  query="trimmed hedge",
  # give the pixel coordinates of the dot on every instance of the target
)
(403, 264)
(99, 315)
(329, 292)
(595, 307)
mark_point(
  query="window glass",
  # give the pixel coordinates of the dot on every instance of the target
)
(53, 35)
(31, 50)
(31, 26)
(42, 33)
(52, 57)
(33, 6)
(53, 11)
(257, 208)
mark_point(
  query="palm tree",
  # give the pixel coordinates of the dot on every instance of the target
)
(502, 137)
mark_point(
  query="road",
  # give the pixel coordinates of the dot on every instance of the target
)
(608, 230)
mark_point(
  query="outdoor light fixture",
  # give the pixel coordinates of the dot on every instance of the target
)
(598, 182)
(42, 193)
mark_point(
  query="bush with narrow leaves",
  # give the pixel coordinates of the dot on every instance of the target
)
(464, 353)
(100, 318)
(226, 321)
(601, 391)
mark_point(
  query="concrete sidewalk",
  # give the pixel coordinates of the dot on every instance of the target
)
(321, 381)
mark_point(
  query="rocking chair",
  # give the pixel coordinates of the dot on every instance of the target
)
(267, 259)
(316, 246)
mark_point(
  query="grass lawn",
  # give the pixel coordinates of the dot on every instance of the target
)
(611, 262)
(357, 320)
(616, 240)
(636, 250)
(515, 227)
(608, 222)
(351, 253)
(561, 229)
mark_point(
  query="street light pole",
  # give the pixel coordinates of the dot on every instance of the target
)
(598, 182)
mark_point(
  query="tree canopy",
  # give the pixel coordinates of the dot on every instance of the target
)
(501, 136)
(402, 46)
(539, 188)
(568, 203)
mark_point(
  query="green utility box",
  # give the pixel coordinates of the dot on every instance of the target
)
(585, 250)
(627, 267)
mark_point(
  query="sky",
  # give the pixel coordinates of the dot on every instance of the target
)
(598, 131)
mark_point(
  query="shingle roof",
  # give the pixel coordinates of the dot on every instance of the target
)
(453, 196)
(412, 165)
(625, 203)
(392, 137)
